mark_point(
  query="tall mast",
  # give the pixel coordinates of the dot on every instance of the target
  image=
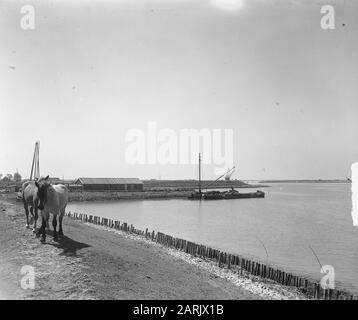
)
(35, 168)
(33, 164)
(199, 173)
(37, 173)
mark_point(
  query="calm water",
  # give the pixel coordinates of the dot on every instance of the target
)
(291, 218)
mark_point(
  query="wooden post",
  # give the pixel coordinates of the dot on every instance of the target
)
(318, 289)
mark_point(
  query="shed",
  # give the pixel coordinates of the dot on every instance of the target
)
(110, 184)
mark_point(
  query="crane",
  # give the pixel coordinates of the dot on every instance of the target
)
(229, 174)
(212, 182)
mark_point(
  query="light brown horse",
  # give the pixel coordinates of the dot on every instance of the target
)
(52, 199)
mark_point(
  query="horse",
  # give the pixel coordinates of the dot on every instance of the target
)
(30, 198)
(52, 199)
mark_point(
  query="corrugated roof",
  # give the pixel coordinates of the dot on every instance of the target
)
(109, 181)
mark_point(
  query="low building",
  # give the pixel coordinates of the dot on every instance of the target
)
(110, 184)
(74, 187)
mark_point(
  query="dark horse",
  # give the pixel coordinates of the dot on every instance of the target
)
(30, 198)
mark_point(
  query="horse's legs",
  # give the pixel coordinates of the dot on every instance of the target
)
(35, 218)
(45, 216)
(62, 213)
(42, 230)
(39, 230)
(27, 215)
(32, 215)
(54, 224)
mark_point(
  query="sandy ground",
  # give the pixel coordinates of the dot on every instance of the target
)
(91, 263)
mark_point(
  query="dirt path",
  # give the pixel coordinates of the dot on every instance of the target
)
(89, 263)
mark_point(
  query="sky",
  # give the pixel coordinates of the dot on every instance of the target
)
(91, 71)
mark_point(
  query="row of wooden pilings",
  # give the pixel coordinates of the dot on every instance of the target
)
(236, 263)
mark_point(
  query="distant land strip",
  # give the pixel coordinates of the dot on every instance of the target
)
(193, 184)
(307, 181)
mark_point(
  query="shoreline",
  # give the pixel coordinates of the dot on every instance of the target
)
(264, 288)
(125, 195)
(129, 195)
(199, 255)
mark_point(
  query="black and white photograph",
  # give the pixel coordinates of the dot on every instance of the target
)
(178, 150)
